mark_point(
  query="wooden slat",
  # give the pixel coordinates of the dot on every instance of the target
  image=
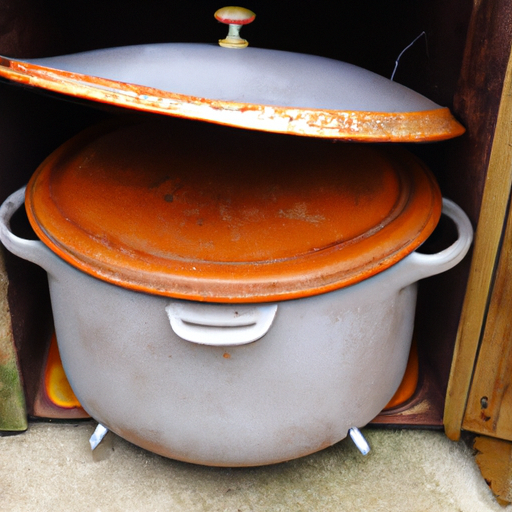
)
(487, 241)
(494, 458)
(489, 407)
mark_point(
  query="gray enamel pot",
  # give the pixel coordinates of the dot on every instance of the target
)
(236, 384)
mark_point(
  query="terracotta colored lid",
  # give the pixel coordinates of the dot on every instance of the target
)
(196, 211)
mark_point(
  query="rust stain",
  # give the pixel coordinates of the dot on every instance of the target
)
(226, 355)
(437, 124)
(484, 417)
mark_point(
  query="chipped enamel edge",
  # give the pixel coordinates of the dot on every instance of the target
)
(430, 125)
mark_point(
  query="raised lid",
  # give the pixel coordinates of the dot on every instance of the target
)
(194, 211)
(268, 90)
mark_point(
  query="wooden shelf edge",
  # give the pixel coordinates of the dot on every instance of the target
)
(424, 409)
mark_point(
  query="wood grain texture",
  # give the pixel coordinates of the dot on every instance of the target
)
(489, 407)
(494, 458)
(487, 237)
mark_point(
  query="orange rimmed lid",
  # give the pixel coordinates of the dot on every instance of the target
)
(201, 212)
(255, 88)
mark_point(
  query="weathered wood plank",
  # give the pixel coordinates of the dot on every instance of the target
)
(486, 247)
(489, 407)
(494, 458)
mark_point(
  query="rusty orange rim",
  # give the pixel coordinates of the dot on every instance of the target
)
(423, 126)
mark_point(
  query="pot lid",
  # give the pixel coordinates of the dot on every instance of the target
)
(255, 88)
(194, 211)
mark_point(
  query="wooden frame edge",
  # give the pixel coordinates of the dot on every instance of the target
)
(486, 251)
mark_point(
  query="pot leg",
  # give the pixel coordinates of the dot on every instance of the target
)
(359, 440)
(98, 436)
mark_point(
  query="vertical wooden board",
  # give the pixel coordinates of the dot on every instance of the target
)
(487, 241)
(489, 407)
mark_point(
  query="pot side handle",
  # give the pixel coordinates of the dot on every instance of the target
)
(30, 250)
(220, 325)
(419, 266)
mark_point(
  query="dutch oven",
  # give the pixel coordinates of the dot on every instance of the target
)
(230, 297)
(224, 296)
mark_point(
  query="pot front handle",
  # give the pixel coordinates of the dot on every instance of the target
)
(220, 325)
(419, 266)
(30, 250)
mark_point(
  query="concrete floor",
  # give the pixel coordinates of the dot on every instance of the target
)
(51, 468)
